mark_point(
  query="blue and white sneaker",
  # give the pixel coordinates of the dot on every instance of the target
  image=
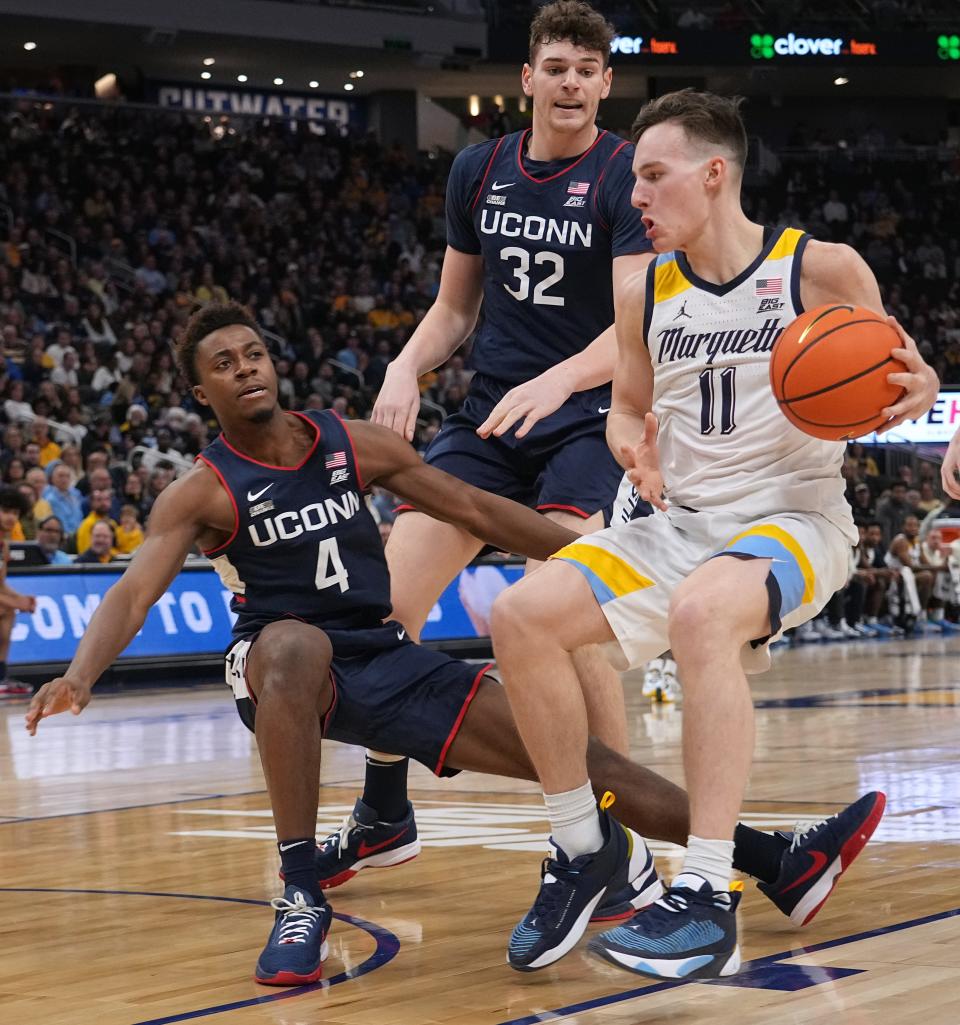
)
(690, 933)
(569, 892)
(297, 947)
(819, 854)
(635, 885)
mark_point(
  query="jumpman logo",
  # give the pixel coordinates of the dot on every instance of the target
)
(682, 312)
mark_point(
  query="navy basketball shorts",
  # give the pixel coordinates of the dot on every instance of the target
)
(562, 464)
(389, 694)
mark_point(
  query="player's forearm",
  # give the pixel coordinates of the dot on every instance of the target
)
(112, 627)
(10, 599)
(442, 331)
(592, 367)
(623, 428)
(511, 527)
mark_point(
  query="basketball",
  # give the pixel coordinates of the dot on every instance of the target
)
(828, 371)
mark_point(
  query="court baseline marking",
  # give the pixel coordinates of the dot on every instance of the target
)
(760, 973)
(387, 948)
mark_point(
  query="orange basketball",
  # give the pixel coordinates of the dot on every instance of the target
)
(828, 371)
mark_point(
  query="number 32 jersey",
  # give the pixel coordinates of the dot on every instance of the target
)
(548, 233)
(723, 442)
(304, 544)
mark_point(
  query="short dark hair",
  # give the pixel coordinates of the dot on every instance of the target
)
(205, 321)
(11, 498)
(44, 523)
(702, 115)
(874, 523)
(571, 20)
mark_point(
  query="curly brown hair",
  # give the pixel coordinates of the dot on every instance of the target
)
(205, 321)
(702, 115)
(571, 20)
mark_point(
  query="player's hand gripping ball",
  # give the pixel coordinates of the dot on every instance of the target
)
(828, 371)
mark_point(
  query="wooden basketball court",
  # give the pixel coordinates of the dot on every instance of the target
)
(138, 856)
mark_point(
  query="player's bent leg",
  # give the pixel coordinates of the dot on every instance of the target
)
(721, 606)
(288, 671)
(600, 683)
(423, 556)
(691, 932)
(288, 674)
(537, 624)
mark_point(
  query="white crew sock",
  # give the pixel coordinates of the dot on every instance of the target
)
(574, 821)
(710, 859)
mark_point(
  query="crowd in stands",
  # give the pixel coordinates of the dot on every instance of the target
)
(115, 224)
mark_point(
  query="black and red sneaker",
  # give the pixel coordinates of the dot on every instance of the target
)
(819, 854)
(364, 842)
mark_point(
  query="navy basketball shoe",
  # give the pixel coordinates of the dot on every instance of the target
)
(635, 885)
(569, 892)
(819, 854)
(364, 842)
(690, 933)
(297, 947)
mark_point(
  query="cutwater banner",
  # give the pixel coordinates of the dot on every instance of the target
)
(193, 617)
(278, 103)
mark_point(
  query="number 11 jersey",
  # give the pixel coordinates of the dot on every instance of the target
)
(548, 233)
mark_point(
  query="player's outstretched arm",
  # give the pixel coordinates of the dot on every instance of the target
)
(533, 400)
(836, 273)
(387, 460)
(174, 527)
(631, 425)
(442, 331)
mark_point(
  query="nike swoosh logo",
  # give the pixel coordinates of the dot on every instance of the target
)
(603, 409)
(497, 186)
(251, 497)
(819, 860)
(289, 846)
(401, 634)
(363, 850)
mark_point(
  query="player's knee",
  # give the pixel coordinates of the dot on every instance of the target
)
(515, 612)
(695, 617)
(296, 656)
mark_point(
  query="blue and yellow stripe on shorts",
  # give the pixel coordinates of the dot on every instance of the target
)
(609, 576)
(790, 566)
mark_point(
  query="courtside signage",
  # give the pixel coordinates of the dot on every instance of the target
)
(935, 427)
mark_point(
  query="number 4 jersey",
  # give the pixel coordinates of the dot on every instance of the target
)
(304, 544)
(548, 233)
(723, 442)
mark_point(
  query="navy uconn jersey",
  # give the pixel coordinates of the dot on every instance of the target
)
(304, 543)
(548, 232)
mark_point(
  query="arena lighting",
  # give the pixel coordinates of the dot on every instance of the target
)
(29, 46)
(106, 87)
(522, 104)
(348, 87)
(314, 84)
(241, 78)
(498, 101)
(473, 105)
(205, 75)
(209, 62)
(356, 74)
(841, 80)
(278, 81)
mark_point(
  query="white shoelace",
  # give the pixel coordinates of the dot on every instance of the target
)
(348, 823)
(298, 918)
(804, 828)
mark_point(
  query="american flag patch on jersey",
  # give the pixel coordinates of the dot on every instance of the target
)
(769, 286)
(578, 188)
(335, 459)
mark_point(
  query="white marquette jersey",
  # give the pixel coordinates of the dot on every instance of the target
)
(723, 442)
